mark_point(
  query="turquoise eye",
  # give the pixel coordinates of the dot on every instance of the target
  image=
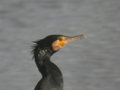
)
(60, 39)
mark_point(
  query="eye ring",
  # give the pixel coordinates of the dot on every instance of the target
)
(60, 39)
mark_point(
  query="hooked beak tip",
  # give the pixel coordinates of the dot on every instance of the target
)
(83, 36)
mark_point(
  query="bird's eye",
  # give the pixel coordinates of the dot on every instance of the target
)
(60, 39)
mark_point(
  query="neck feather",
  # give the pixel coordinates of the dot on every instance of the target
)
(41, 54)
(42, 58)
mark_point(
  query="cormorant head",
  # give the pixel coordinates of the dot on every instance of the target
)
(56, 42)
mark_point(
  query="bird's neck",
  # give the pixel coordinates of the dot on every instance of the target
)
(48, 69)
(44, 53)
(42, 58)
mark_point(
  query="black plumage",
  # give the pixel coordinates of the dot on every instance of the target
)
(52, 78)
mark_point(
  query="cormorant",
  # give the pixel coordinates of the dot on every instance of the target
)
(52, 78)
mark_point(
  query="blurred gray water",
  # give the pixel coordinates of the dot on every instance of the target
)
(89, 64)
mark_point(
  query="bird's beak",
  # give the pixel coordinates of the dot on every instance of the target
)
(64, 40)
(74, 38)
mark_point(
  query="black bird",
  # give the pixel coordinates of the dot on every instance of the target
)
(52, 78)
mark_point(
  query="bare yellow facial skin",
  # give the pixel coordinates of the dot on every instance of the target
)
(62, 41)
(58, 44)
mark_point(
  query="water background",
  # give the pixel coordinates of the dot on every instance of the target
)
(89, 64)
